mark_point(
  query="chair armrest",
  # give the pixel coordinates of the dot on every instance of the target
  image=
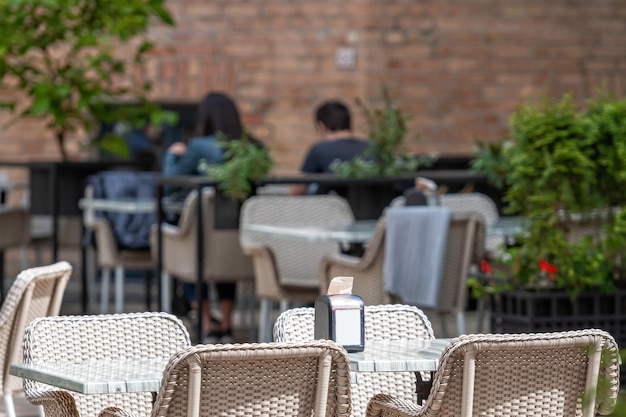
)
(115, 412)
(55, 403)
(389, 406)
(255, 249)
(265, 270)
(343, 260)
(168, 229)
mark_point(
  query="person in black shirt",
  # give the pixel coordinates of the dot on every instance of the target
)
(333, 122)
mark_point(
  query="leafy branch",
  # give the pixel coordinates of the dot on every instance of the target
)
(244, 163)
(62, 55)
(385, 155)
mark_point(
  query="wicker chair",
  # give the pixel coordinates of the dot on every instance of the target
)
(110, 258)
(81, 338)
(36, 292)
(266, 379)
(382, 322)
(366, 270)
(223, 259)
(464, 248)
(486, 208)
(286, 269)
(549, 374)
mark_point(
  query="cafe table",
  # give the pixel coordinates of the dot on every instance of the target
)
(144, 375)
(360, 231)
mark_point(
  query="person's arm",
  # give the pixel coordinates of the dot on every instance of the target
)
(181, 160)
(297, 189)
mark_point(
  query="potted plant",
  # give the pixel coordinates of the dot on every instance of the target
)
(564, 170)
(245, 163)
(385, 156)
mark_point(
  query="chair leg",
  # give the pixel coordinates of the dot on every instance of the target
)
(481, 306)
(8, 405)
(119, 289)
(166, 299)
(91, 276)
(460, 323)
(104, 290)
(444, 325)
(148, 278)
(265, 321)
(24, 257)
(42, 413)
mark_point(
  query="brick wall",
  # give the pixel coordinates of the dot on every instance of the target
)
(458, 67)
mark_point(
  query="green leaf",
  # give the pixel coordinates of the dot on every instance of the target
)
(40, 106)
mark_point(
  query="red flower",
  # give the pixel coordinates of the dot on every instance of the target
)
(548, 268)
(485, 267)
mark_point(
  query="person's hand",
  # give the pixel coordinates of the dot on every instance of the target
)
(178, 148)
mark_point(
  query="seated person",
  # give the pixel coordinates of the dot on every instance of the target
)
(332, 121)
(216, 113)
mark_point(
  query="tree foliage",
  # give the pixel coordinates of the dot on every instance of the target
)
(245, 162)
(565, 171)
(65, 56)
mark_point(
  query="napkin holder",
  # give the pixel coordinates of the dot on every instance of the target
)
(340, 317)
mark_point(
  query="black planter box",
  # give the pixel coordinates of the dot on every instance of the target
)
(548, 311)
(227, 212)
(368, 201)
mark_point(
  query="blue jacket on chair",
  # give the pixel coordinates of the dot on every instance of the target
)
(131, 230)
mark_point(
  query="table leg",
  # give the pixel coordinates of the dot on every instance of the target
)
(422, 388)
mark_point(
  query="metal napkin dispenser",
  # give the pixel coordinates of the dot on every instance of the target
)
(339, 317)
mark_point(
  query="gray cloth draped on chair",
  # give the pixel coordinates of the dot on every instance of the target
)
(414, 253)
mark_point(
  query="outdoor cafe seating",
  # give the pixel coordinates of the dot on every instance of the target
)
(382, 322)
(264, 379)
(461, 248)
(142, 363)
(104, 337)
(35, 292)
(222, 259)
(558, 374)
(287, 270)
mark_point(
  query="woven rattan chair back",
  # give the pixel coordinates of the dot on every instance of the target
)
(81, 338)
(366, 270)
(287, 269)
(382, 322)
(464, 247)
(265, 379)
(486, 208)
(223, 259)
(474, 202)
(36, 292)
(551, 374)
(297, 262)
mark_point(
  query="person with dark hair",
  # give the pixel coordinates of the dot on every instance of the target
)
(216, 113)
(333, 123)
